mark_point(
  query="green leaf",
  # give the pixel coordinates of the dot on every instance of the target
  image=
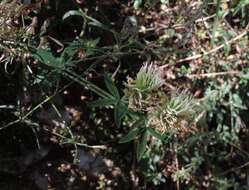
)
(102, 102)
(87, 45)
(133, 133)
(91, 21)
(46, 57)
(237, 102)
(111, 86)
(155, 134)
(142, 145)
(98, 24)
(71, 13)
(79, 79)
(137, 4)
(164, 1)
(120, 111)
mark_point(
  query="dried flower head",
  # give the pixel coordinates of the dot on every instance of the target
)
(176, 113)
(182, 104)
(12, 28)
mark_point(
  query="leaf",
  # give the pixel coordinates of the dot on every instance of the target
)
(237, 102)
(120, 111)
(142, 145)
(102, 102)
(133, 133)
(244, 76)
(46, 57)
(71, 13)
(98, 24)
(87, 45)
(79, 79)
(164, 1)
(111, 86)
(137, 4)
(155, 134)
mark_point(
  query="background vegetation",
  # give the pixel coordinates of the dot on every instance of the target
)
(129, 94)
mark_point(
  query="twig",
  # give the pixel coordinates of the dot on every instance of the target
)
(211, 51)
(34, 109)
(116, 70)
(103, 147)
(237, 168)
(204, 18)
(203, 75)
(134, 177)
(177, 167)
(7, 107)
(2, 57)
(215, 49)
(57, 42)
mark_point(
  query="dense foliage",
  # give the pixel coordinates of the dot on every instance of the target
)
(124, 94)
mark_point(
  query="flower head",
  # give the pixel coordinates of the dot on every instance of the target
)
(148, 79)
(174, 113)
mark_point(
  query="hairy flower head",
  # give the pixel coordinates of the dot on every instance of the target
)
(174, 113)
(142, 91)
(148, 79)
